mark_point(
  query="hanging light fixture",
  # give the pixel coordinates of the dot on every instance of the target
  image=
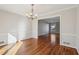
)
(32, 11)
(31, 14)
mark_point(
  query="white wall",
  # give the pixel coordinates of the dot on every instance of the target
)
(77, 30)
(18, 26)
(24, 28)
(68, 25)
(8, 24)
(43, 28)
(68, 31)
(35, 28)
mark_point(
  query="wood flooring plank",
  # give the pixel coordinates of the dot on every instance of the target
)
(45, 47)
(14, 49)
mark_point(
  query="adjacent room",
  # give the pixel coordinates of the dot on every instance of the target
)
(39, 29)
(49, 28)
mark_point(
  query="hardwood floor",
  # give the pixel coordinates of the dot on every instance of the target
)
(63, 50)
(44, 46)
(4, 49)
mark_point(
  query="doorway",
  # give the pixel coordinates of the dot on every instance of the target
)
(49, 29)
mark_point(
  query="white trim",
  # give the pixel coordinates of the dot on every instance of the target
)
(48, 17)
(60, 29)
(60, 24)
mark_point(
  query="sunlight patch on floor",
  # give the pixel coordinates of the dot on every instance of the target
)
(5, 48)
(14, 49)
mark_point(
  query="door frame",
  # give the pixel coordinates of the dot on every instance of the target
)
(60, 24)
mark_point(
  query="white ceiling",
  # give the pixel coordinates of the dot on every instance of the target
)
(22, 9)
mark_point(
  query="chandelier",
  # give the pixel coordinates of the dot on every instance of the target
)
(31, 15)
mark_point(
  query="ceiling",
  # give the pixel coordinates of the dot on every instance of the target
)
(39, 9)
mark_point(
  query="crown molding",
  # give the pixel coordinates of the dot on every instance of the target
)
(45, 15)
